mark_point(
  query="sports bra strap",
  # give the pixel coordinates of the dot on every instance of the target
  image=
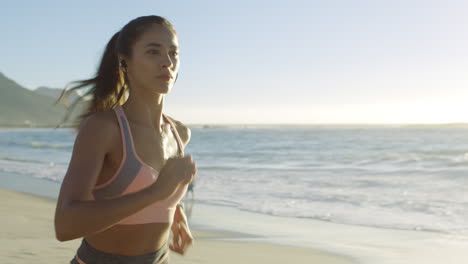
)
(174, 131)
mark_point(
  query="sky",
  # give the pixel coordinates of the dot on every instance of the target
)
(266, 62)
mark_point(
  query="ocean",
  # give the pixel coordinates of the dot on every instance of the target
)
(398, 177)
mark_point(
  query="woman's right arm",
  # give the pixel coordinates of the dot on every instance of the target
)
(77, 216)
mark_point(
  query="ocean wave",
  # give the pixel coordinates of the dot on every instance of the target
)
(354, 215)
(44, 145)
(48, 171)
(15, 159)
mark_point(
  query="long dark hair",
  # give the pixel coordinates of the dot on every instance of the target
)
(104, 92)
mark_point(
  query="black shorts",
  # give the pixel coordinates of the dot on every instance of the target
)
(86, 254)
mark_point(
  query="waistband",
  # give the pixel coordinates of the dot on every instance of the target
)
(86, 254)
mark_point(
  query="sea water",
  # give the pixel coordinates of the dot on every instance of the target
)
(400, 177)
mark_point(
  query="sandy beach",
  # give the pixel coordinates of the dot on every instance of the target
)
(27, 236)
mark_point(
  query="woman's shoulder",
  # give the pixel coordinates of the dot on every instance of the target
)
(183, 131)
(103, 120)
(96, 138)
(100, 125)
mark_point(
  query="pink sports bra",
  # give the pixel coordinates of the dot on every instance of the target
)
(133, 175)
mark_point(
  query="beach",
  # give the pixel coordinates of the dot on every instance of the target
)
(350, 147)
(27, 236)
(380, 195)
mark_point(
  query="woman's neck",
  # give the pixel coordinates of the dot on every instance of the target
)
(146, 110)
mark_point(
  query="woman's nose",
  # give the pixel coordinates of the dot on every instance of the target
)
(167, 61)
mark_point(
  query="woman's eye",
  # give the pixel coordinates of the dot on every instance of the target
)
(153, 52)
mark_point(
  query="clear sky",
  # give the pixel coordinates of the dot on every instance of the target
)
(330, 61)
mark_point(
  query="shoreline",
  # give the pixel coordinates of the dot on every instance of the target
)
(225, 225)
(28, 236)
(268, 125)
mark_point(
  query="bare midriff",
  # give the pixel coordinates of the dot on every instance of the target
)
(131, 240)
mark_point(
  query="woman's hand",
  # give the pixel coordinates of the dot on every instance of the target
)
(176, 171)
(181, 236)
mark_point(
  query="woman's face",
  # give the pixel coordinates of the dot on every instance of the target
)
(154, 62)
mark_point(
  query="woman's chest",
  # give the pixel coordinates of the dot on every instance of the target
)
(151, 148)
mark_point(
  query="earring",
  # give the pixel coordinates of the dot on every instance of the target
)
(177, 75)
(123, 64)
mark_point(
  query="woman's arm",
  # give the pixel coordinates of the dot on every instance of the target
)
(182, 238)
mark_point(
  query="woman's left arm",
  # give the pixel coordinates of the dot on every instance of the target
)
(182, 237)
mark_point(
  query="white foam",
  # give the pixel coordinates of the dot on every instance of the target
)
(366, 244)
(47, 171)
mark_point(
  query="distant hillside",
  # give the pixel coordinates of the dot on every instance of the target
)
(55, 93)
(22, 107)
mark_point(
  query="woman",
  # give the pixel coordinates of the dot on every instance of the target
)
(127, 172)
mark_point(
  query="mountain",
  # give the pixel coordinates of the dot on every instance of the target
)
(55, 93)
(20, 107)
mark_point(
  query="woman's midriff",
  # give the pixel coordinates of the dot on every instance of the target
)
(131, 240)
